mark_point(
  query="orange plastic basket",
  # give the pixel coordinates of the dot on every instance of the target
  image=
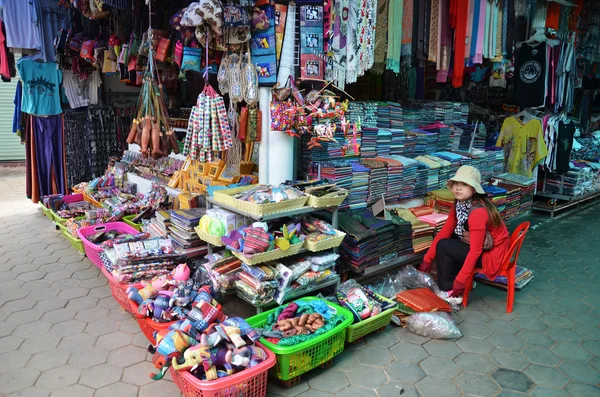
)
(119, 291)
(247, 383)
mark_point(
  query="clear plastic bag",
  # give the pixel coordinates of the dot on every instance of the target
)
(411, 278)
(433, 325)
(389, 287)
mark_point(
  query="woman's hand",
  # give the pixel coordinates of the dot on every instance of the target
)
(465, 237)
(424, 267)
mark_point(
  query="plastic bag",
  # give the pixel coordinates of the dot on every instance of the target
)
(433, 325)
(388, 287)
(411, 278)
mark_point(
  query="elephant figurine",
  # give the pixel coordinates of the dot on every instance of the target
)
(205, 357)
(248, 356)
(169, 344)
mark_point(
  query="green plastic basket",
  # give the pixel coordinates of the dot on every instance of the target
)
(128, 220)
(295, 360)
(75, 242)
(46, 211)
(63, 221)
(358, 330)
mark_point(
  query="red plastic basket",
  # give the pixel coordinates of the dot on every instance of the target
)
(248, 383)
(92, 250)
(119, 291)
(146, 324)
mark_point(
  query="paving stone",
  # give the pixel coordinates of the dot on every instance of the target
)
(366, 376)
(73, 292)
(503, 326)
(374, 355)
(530, 323)
(547, 376)
(580, 372)
(442, 348)
(90, 357)
(273, 387)
(571, 352)
(114, 340)
(49, 359)
(329, 381)
(387, 338)
(474, 316)
(59, 377)
(6, 328)
(512, 380)
(440, 367)
(474, 345)
(534, 338)
(404, 335)
(563, 335)
(475, 384)
(542, 391)
(404, 372)
(34, 328)
(478, 363)
(576, 389)
(436, 387)
(127, 356)
(10, 343)
(66, 283)
(343, 361)
(13, 360)
(593, 346)
(97, 281)
(353, 391)
(30, 392)
(101, 375)
(118, 389)
(395, 389)
(476, 330)
(159, 389)
(100, 292)
(137, 374)
(505, 341)
(74, 391)
(575, 305)
(67, 328)
(18, 379)
(540, 355)
(40, 344)
(315, 393)
(408, 352)
(25, 316)
(90, 316)
(509, 359)
(556, 321)
(102, 326)
(59, 315)
(75, 342)
(129, 326)
(509, 393)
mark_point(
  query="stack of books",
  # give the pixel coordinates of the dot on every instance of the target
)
(181, 231)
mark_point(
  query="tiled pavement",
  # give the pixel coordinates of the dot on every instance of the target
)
(61, 333)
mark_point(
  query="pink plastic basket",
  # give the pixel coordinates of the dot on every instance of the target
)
(119, 291)
(248, 383)
(92, 250)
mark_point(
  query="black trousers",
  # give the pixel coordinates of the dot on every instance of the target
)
(450, 257)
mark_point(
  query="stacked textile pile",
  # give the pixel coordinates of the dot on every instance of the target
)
(443, 135)
(412, 115)
(444, 112)
(457, 134)
(410, 143)
(446, 171)
(223, 272)
(497, 195)
(454, 159)
(384, 142)
(397, 143)
(513, 200)
(377, 179)
(258, 284)
(421, 210)
(461, 112)
(437, 221)
(340, 173)
(396, 118)
(441, 200)
(395, 178)
(360, 186)
(426, 141)
(368, 147)
(422, 233)
(527, 193)
(383, 115)
(498, 159)
(466, 132)
(404, 236)
(526, 187)
(480, 137)
(367, 239)
(433, 172)
(522, 278)
(422, 177)
(334, 147)
(409, 176)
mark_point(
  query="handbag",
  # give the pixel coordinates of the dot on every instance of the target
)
(178, 53)
(191, 59)
(488, 242)
(87, 50)
(282, 118)
(163, 49)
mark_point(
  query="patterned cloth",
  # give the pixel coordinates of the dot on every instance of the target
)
(77, 147)
(462, 215)
(381, 37)
(102, 128)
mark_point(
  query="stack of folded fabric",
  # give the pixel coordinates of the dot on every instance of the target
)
(384, 142)
(409, 176)
(377, 179)
(441, 200)
(340, 173)
(394, 179)
(527, 193)
(258, 284)
(513, 200)
(422, 177)
(422, 236)
(397, 143)
(457, 134)
(433, 172)
(454, 159)
(359, 248)
(497, 195)
(404, 239)
(396, 118)
(368, 147)
(480, 137)
(421, 210)
(522, 278)
(468, 130)
(444, 112)
(425, 141)
(443, 135)
(410, 143)
(370, 114)
(383, 115)
(360, 186)
(412, 116)
(334, 147)
(437, 221)
(181, 231)
(446, 171)
(461, 112)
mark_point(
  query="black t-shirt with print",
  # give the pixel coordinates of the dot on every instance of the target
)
(530, 75)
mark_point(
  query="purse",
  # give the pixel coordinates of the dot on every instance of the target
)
(488, 242)
(191, 59)
(178, 53)
(163, 49)
(282, 118)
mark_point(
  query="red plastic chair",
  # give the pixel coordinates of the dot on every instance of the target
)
(509, 266)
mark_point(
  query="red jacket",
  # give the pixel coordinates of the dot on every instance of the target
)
(491, 260)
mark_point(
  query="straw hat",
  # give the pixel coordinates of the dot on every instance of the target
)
(469, 175)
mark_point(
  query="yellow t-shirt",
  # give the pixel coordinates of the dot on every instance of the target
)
(523, 144)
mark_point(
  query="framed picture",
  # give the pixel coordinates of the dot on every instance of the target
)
(311, 41)
(311, 15)
(266, 68)
(311, 66)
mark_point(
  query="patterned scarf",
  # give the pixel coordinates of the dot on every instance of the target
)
(462, 214)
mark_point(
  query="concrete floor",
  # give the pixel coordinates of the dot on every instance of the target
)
(62, 334)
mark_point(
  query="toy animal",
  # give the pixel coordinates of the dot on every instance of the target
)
(149, 289)
(169, 344)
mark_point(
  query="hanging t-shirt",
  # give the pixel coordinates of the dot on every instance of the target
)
(21, 18)
(52, 19)
(530, 75)
(523, 144)
(41, 87)
(564, 146)
(81, 92)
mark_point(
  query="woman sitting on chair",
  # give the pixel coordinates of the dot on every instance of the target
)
(473, 236)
